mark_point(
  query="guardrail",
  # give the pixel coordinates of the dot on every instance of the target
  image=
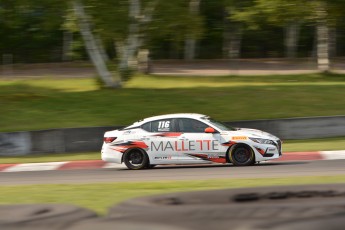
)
(91, 138)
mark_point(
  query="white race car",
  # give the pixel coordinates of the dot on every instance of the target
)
(187, 139)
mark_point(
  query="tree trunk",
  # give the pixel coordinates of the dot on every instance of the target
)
(190, 43)
(322, 39)
(92, 48)
(129, 52)
(291, 40)
(232, 40)
(332, 42)
(235, 42)
(226, 35)
(101, 49)
(67, 45)
(322, 47)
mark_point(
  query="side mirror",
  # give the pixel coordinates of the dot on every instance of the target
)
(210, 130)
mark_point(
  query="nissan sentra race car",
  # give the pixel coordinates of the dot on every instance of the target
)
(187, 139)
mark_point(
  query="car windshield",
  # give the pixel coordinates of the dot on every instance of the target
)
(220, 125)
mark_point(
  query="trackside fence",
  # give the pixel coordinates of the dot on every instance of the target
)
(90, 139)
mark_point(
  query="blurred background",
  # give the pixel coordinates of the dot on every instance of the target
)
(204, 56)
(122, 31)
(72, 69)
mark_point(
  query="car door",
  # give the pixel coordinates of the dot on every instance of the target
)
(162, 141)
(196, 145)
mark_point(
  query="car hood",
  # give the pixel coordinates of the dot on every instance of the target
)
(253, 133)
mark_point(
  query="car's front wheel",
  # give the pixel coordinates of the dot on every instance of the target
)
(135, 159)
(241, 155)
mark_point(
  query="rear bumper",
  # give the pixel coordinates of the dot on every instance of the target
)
(110, 155)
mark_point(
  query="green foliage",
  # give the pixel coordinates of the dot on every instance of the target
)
(110, 18)
(33, 30)
(126, 74)
(29, 28)
(274, 12)
(281, 12)
(173, 21)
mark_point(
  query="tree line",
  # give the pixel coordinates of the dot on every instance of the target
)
(120, 30)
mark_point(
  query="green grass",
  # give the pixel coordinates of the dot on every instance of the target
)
(288, 146)
(54, 103)
(314, 144)
(99, 197)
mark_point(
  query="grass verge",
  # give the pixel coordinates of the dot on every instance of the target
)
(99, 197)
(288, 146)
(54, 103)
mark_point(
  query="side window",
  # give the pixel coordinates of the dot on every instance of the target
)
(165, 125)
(187, 125)
(146, 126)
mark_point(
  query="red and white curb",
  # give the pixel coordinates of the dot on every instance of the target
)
(87, 164)
(94, 164)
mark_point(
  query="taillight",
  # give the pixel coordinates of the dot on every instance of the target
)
(109, 139)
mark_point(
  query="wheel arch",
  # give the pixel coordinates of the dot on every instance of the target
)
(135, 148)
(237, 145)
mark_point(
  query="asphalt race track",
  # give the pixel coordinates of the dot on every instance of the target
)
(195, 172)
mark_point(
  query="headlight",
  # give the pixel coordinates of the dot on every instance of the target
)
(262, 141)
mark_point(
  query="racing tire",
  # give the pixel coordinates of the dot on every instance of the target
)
(241, 155)
(136, 159)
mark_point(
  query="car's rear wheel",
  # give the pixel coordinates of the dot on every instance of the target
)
(241, 155)
(136, 159)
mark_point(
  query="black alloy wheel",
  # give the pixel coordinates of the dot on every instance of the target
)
(242, 156)
(135, 159)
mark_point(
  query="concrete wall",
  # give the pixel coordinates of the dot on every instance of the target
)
(91, 139)
(299, 128)
(15, 144)
(53, 141)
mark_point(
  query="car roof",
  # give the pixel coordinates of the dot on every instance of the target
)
(167, 116)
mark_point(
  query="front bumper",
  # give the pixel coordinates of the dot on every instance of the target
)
(267, 152)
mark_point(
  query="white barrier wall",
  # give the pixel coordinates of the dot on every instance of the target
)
(91, 139)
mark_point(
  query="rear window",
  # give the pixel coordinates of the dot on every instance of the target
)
(146, 126)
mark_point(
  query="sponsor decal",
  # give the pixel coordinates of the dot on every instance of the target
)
(163, 158)
(164, 126)
(239, 138)
(261, 151)
(168, 135)
(184, 145)
(229, 143)
(122, 147)
(209, 157)
(271, 150)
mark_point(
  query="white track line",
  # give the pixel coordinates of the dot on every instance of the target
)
(114, 165)
(333, 155)
(35, 167)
